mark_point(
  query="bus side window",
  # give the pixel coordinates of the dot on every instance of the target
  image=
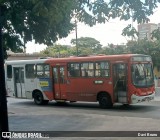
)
(42, 70)
(39, 70)
(9, 71)
(55, 75)
(102, 69)
(62, 75)
(74, 69)
(87, 69)
(30, 70)
(46, 70)
(16, 75)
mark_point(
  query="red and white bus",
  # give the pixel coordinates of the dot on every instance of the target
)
(108, 79)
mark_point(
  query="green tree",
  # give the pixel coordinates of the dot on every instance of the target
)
(42, 20)
(112, 49)
(47, 20)
(56, 51)
(87, 45)
(146, 47)
(155, 35)
(99, 11)
(156, 49)
(130, 31)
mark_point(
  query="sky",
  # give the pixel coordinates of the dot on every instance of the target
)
(110, 32)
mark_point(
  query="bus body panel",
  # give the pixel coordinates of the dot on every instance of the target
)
(45, 85)
(86, 89)
(31, 85)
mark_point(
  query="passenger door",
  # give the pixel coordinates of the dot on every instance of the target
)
(59, 82)
(19, 82)
(9, 80)
(120, 82)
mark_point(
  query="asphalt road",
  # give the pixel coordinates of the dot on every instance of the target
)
(24, 115)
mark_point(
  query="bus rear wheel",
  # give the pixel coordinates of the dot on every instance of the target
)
(38, 99)
(105, 101)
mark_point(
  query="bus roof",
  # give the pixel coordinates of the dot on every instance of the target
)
(96, 57)
(75, 58)
(19, 62)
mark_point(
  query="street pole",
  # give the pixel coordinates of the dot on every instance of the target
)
(76, 37)
(3, 100)
(132, 22)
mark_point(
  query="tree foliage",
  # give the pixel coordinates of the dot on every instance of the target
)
(112, 49)
(87, 45)
(41, 20)
(47, 20)
(56, 50)
(101, 10)
(146, 47)
(130, 31)
(155, 35)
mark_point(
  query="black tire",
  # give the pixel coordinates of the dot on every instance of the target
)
(45, 102)
(73, 101)
(126, 105)
(38, 99)
(61, 103)
(105, 101)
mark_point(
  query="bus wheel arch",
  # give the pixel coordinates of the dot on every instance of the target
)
(38, 97)
(104, 100)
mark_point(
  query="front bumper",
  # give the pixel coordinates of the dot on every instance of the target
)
(138, 99)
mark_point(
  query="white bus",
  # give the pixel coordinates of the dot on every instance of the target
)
(28, 79)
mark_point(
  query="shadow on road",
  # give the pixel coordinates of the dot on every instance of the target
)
(142, 107)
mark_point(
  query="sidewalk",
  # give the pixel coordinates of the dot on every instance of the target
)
(157, 97)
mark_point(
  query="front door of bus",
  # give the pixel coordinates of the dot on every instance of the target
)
(19, 82)
(59, 82)
(120, 82)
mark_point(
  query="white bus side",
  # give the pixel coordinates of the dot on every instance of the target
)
(20, 81)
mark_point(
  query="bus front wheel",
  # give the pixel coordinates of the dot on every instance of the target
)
(38, 99)
(105, 101)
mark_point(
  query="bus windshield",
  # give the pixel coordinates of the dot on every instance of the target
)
(142, 75)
